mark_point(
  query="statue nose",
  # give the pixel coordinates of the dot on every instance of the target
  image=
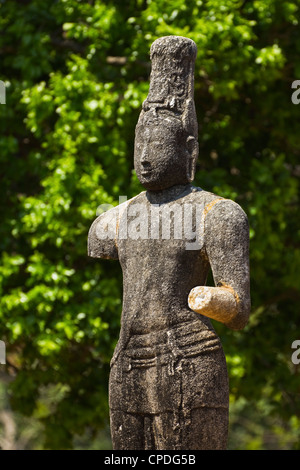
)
(145, 157)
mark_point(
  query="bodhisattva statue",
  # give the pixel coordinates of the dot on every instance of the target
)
(168, 386)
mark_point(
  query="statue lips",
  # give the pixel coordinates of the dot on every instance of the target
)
(146, 169)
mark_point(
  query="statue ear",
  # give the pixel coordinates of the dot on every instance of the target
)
(193, 148)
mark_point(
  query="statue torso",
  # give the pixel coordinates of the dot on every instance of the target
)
(160, 272)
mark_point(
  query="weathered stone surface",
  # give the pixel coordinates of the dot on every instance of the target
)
(168, 384)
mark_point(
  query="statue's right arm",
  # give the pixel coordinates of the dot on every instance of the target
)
(102, 237)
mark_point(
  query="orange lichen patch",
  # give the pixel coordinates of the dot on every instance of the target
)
(199, 298)
(211, 204)
(117, 231)
(230, 289)
(218, 303)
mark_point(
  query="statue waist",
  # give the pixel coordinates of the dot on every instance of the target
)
(182, 340)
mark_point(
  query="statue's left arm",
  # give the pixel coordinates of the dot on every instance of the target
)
(226, 241)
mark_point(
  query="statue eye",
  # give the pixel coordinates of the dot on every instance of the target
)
(156, 144)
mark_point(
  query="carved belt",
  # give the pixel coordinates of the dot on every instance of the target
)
(166, 347)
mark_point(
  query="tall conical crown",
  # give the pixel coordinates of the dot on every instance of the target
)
(172, 80)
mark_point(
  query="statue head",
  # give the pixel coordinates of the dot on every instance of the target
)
(164, 153)
(166, 147)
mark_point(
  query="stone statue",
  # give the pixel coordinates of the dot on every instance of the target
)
(168, 387)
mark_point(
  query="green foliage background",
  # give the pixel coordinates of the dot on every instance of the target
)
(76, 74)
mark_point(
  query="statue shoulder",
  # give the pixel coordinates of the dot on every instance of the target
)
(205, 198)
(103, 233)
(225, 209)
(224, 217)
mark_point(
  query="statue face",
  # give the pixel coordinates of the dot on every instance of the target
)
(160, 157)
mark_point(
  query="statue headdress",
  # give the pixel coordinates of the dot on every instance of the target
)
(171, 89)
